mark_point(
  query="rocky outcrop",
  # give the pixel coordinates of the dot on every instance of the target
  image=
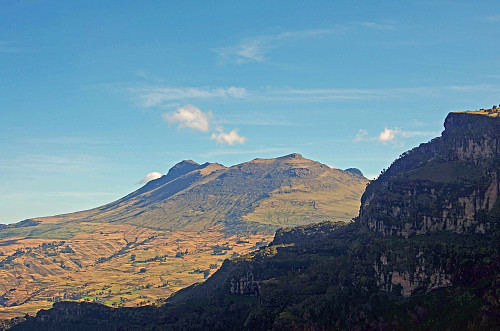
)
(246, 285)
(420, 279)
(448, 184)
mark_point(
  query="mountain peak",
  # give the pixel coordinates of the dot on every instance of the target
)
(355, 171)
(182, 168)
(186, 162)
(293, 156)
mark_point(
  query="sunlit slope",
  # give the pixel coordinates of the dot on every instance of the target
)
(262, 194)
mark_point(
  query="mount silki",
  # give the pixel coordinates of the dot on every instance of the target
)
(263, 194)
(423, 254)
(172, 232)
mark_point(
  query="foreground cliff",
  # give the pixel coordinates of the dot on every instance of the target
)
(448, 184)
(423, 254)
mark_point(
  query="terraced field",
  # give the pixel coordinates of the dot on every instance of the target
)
(118, 265)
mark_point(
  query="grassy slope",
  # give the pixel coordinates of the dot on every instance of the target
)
(263, 194)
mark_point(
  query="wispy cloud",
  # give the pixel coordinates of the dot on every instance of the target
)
(259, 151)
(255, 49)
(70, 163)
(67, 140)
(361, 135)
(56, 194)
(377, 25)
(254, 118)
(230, 138)
(339, 94)
(149, 177)
(492, 18)
(291, 94)
(9, 47)
(157, 96)
(172, 96)
(411, 134)
(189, 117)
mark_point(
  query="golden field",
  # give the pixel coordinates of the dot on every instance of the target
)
(100, 266)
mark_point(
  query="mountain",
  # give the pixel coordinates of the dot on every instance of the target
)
(263, 194)
(424, 253)
(355, 171)
(172, 232)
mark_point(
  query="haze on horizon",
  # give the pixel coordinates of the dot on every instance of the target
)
(95, 96)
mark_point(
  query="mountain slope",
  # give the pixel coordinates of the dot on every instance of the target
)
(262, 194)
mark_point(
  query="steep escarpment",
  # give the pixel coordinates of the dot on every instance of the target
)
(448, 184)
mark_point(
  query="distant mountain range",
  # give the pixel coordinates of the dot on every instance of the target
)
(259, 195)
(423, 254)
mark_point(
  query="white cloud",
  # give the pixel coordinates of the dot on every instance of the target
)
(149, 177)
(157, 96)
(189, 117)
(388, 135)
(230, 138)
(392, 135)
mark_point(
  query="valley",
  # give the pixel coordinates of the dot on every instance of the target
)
(120, 266)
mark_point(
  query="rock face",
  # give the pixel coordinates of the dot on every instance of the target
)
(450, 184)
(443, 185)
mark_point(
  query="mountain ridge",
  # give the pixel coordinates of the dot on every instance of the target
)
(258, 195)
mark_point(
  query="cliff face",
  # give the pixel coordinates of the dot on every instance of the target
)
(448, 184)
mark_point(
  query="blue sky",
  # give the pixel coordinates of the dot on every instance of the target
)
(94, 95)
